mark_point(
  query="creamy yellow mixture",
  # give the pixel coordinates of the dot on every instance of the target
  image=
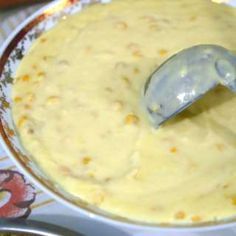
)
(77, 107)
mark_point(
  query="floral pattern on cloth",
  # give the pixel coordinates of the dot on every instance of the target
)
(16, 195)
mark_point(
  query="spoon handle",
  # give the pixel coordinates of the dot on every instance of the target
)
(226, 69)
(32, 227)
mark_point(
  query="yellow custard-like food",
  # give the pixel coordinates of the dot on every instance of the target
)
(77, 107)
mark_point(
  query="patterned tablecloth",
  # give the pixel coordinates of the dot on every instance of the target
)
(37, 204)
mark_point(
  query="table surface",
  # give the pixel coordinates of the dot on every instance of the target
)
(43, 207)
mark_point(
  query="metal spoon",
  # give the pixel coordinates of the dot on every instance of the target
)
(185, 78)
(31, 227)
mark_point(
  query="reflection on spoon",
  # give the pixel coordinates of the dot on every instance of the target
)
(185, 78)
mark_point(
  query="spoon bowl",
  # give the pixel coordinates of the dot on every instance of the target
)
(186, 77)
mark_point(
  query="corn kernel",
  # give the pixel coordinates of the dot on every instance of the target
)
(131, 119)
(137, 54)
(173, 150)
(133, 46)
(86, 160)
(108, 89)
(233, 200)
(126, 80)
(180, 215)
(41, 73)
(163, 52)
(25, 78)
(30, 97)
(220, 146)
(98, 197)
(52, 100)
(193, 18)
(65, 170)
(17, 99)
(43, 40)
(45, 58)
(27, 106)
(122, 25)
(154, 26)
(136, 70)
(91, 175)
(118, 105)
(196, 218)
(30, 131)
(22, 120)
